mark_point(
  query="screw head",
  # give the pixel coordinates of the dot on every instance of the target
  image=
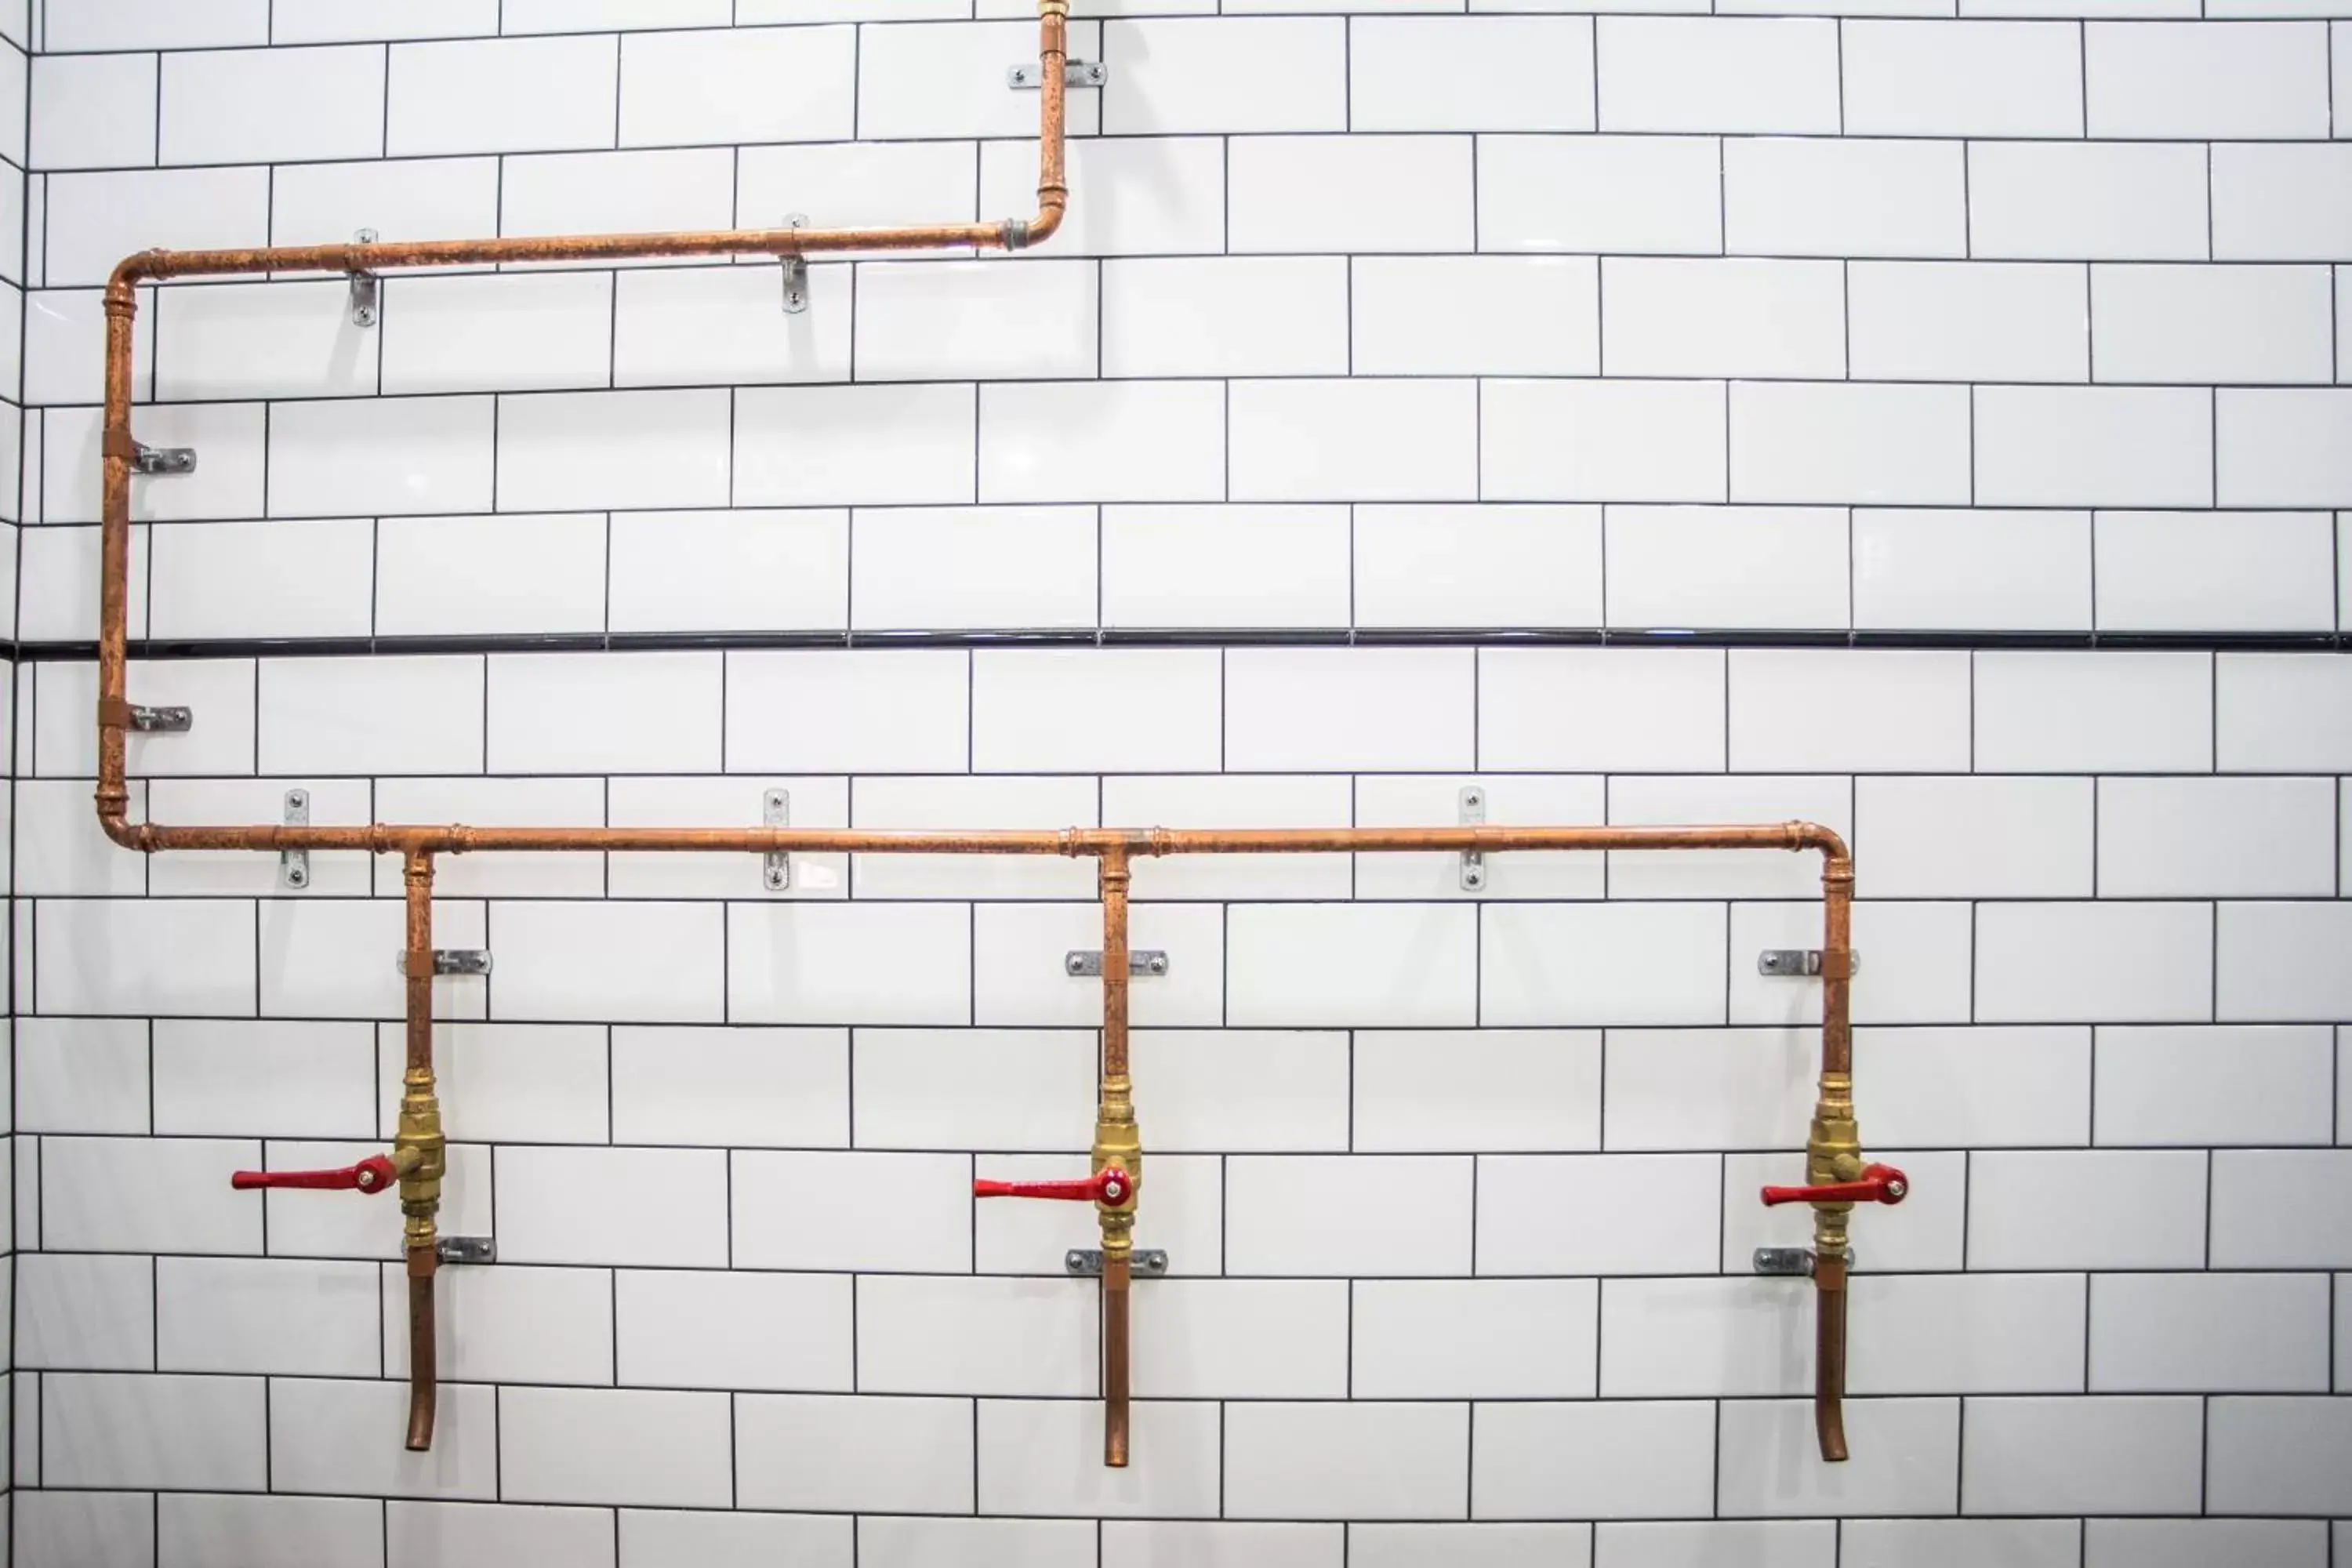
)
(1157, 963)
(296, 875)
(1075, 964)
(296, 797)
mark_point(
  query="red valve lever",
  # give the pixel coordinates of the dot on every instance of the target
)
(1108, 1185)
(1879, 1184)
(373, 1174)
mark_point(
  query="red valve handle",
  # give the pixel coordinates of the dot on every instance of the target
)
(1879, 1184)
(373, 1174)
(1110, 1185)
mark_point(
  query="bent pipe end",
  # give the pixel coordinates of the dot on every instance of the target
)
(1829, 1358)
(423, 1373)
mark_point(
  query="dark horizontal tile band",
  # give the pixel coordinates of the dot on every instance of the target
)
(1264, 636)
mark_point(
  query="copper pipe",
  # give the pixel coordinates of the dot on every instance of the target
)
(1118, 1142)
(1834, 1152)
(118, 446)
(418, 1147)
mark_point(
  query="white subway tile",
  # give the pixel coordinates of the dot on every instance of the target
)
(1487, 1339)
(869, 445)
(2183, 1542)
(260, 106)
(1968, 1333)
(2185, 1333)
(510, 1324)
(1215, 801)
(259, 1080)
(1325, 710)
(2274, 202)
(1045, 1456)
(2281, 713)
(89, 222)
(1775, 75)
(1125, 1544)
(466, 1532)
(184, 1434)
(1176, 75)
(1103, 441)
(332, 21)
(406, 198)
(1781, 567)
(580, 15)
(197, 957)
(514, 95)
(1406, 440)
(816, 1451)
(665, 1207)
(2087, 201)
(871, 711)
(942, 320)
(1708, 1088)
(740, 1086)
(1222, 567)
(715, 1539)
(1488, 1089)
(323, 959)
(942, 805)
(1603, 440)
(490, 332)
(607, 1446)
(985, 1335)
(1975, 837)
(1484, 73)
(88, 1312)
(1822, 197)
(2283, 962)
(1967, 320)
(1905, 1459)
(1472, 315)
(2261, 324)
(618, 191)
(1918, 972)
(1470, 1545)
(244, 340)
(2080, 962)
(1614, 1459)
(1477, 565)
(2120, 1210)
(2095, 446)
(1000, 566)
(731, 801)
(1433, 800)
(371, 715)
(922, 81)
(220, 1531)
(267, 1315)
(93, 112)
(2062, 1455)
(984, 1542)
(1672, 800)
(1617, 710)
(2277, 1456)
(1773, 1545)
(614, 448)
(1650, 195)
(2249, 572)
(510, 1082)
(2192, 837)
(316, 1442)
(1599, 1213)
(2082, 712)
(1953, 1088)
(617, 713)
(2179, 80)
(1916, 705)
(1274, 1090)
(381, 456)
(1735, 318)
(686, 324)
(1215, 315)
(833, 963)
(1379, 1214)
(1370, 966)
(63, 741)
(2207, 1086)
(851, 185)
(1172, 201)
(1961, 78)
(844, 1211)
(728, 571)
(2283, 447)
(227, 484)
(533, 575)
(1291, 193)
(1066, 710)
(1355, 1459)
(996, 1089)
(154, 25)
(62, 345)
(1687, 1337)
(66, 852)
(58, 582)
(1272, 1339)
(724, 85)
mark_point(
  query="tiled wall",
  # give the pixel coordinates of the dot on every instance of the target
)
(1387, 330)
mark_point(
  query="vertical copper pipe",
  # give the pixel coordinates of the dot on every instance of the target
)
(1053, 59)
(1116, 1141)
(419, 1143)
(114, 556)
(1835, 1152)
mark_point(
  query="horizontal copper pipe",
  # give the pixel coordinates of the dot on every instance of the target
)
(388, 838)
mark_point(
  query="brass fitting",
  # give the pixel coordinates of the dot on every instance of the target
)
(420, 1154)
(1833, 1155)
(1118, 1143)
